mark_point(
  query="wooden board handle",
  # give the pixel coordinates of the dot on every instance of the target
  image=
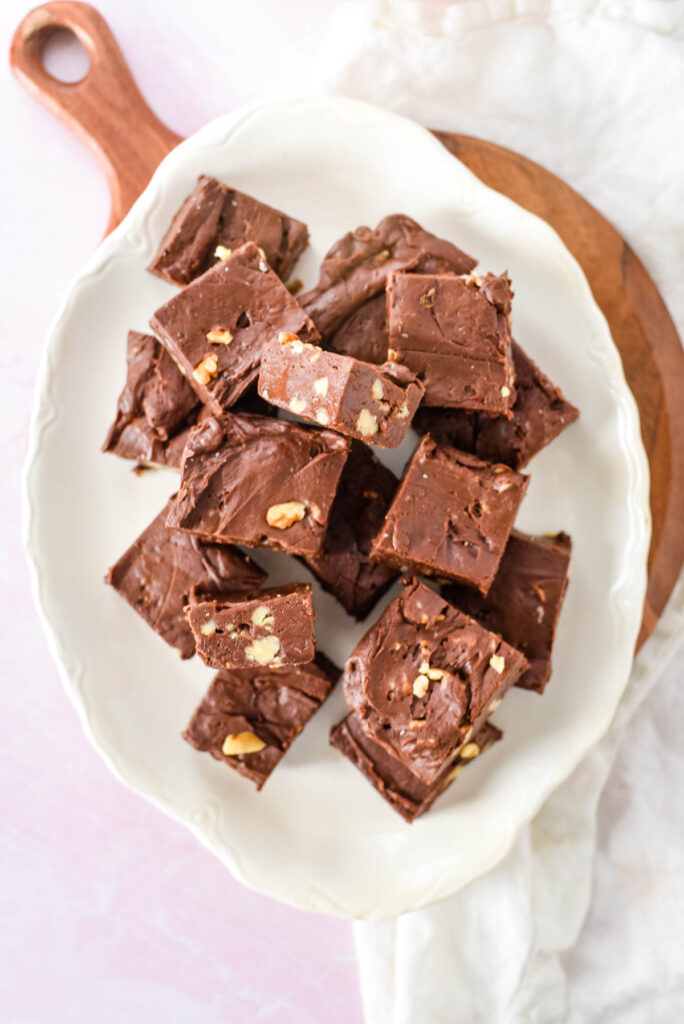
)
(105, 109)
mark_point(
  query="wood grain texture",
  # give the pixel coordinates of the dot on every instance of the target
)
(108, 112)
(105, 109)
(642, 330)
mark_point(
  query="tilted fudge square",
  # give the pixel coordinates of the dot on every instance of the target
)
(156, 407)
(343, 565)
(454, 333)
(451, 516)
(363, 334)
(425, 677)
(540, 413)
(372, 403)
(400, 787)
(249, 717)
(258, 481)
(216, 219)
(356, 267)
(215, 328)
(272, 627)
(524, 601)
(162, 566)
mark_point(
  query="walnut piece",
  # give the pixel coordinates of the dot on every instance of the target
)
(498, 663)
(206, 370)
(237, 743)
(263, 616)
(284, 515)
(263, 651)
(470, 750)
(367, 423)
(421, 685)
(221, 253)
(221, 336)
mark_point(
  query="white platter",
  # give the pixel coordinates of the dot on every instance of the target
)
(318, 836)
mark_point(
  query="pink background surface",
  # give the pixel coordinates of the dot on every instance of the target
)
(109, 911)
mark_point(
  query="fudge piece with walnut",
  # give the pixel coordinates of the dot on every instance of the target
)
(158, 572)
(272, 627)
(216, 328)
(213, 221)
(372, 403)
(425, 678)
(258, 481)
(250, 717)
(451, 516)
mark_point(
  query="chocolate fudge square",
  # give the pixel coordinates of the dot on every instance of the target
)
(156, 408)
(215, 328)
(363, 334)
(258, 481)
(400, 787)
(425, 677)
(216, 219)
(524, 601)
(451, 516)
(539, 414)
(159, 570)
(343, 565)
(271, 627)
(250, 717)
(372, 403)
(356, 267)
(454, 333)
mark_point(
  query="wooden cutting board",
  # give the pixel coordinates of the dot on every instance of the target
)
(108, 112)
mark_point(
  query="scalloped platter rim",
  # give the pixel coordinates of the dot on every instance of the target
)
(318, 836)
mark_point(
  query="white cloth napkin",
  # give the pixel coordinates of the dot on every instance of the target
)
(595, 92)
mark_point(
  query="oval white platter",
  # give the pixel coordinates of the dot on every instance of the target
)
(318, 836)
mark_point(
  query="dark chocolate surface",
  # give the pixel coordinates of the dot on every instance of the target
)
(270, 628)
(271, 705)
(356, 267)
(451, 516)
(156, 408)
(258, 481)
(215, 215)
(540, 413)
(454, 333)
(216, 327)
(363, 334)
(159, 570)
(400, 787)
(524, 601)
(425, 677)
(343, 565)
(372, 403)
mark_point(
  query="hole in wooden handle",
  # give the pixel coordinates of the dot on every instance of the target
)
(63, 55)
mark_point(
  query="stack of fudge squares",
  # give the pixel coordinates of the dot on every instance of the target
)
(398, 333)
